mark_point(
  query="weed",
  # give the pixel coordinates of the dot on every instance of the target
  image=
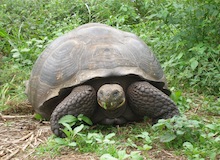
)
(182, 102)
(211, 106)
(79, 138)
(50, 148)
(134, 155)
(181, 132)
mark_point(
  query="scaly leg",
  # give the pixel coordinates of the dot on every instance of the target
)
(82, 100)
(146, 100)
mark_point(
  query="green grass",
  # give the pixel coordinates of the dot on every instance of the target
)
(12, 79)
(184, 35)
(194, 138)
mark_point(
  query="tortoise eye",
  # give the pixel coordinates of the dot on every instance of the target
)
(101, 92)
(115, 93)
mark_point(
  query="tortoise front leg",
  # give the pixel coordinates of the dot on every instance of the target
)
(82, 100)
(146, 100)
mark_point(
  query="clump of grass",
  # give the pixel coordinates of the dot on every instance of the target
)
(80, 138)
(12, 79)
(180, 133)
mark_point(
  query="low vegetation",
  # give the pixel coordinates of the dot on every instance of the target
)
(185, 37)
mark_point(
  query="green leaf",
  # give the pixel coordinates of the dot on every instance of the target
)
(107, 157)
(104, 105)
(176, 95)
(180, 55)
(188, 145)
(145, 147)
(167, 137)
(38, 116)
(78, 129)
(143, 135)
(16, 55)
(60, 141)
(67, 132)
(179, 132)
(211, 126)
(67, 126)
(79, 117)
(110, 135)
(3, 33)
(107, 141)
(194, 63)
(131, 143)
(72, 144)
(86, 119)
(25, 50)
(122, 154)
(90, 135)
(135, 155)
(160, 125)
(67, 119)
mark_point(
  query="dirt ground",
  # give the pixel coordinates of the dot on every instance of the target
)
(20, 134)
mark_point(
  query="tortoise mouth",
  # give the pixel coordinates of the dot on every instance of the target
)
(111, 105)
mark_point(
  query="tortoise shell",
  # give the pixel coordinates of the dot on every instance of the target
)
(90, 51)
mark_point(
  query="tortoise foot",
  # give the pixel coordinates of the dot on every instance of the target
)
(146, 100)
(82, 100)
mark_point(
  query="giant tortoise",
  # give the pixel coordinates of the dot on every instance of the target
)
(106, 74)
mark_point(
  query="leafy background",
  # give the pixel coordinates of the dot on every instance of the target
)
(184, 36)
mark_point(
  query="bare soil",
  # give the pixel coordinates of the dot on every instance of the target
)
(21, 134)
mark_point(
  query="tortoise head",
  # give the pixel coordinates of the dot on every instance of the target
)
(111, 96)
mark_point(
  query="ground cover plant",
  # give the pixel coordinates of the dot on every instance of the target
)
(185, 37)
